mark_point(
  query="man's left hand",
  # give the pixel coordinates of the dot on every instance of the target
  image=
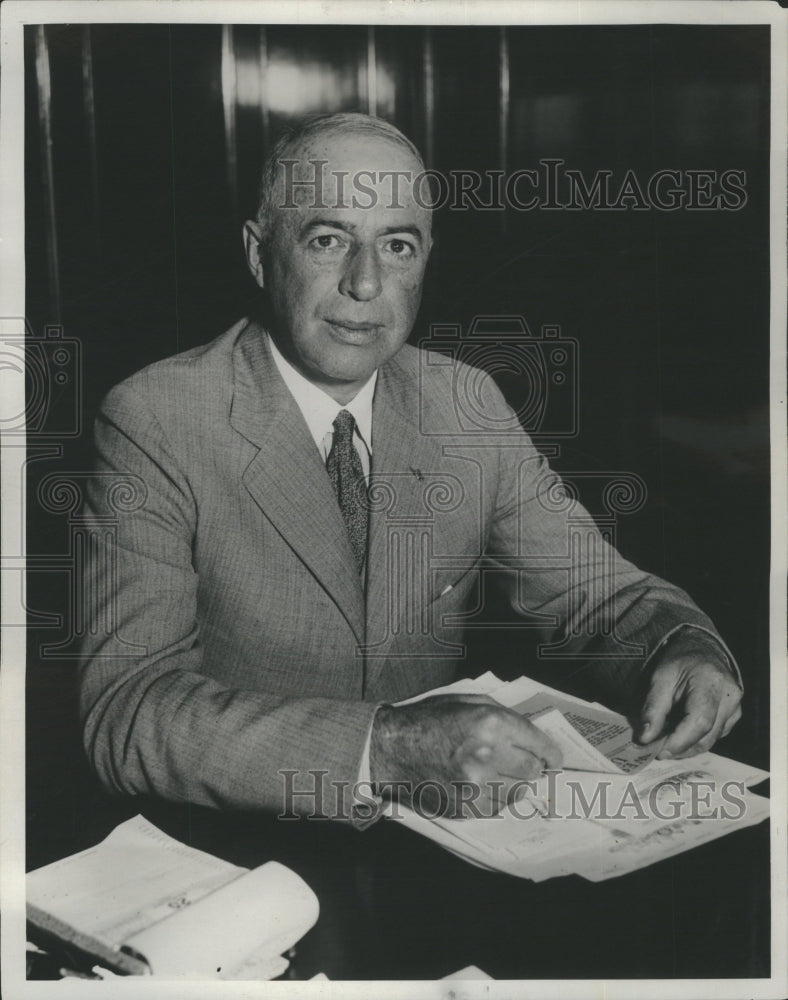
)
(692, 699)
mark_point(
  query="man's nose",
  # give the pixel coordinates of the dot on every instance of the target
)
(361, 278)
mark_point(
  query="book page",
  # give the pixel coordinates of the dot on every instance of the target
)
(607, 733)
(631, 847)
(578, 754)
(235, 931)
(135, 876)
(466, 685)
(510, 693)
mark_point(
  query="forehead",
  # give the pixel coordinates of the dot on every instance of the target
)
(350, 176)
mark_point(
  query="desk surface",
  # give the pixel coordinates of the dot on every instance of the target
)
(396, 906)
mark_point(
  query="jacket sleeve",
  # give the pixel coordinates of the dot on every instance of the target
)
(154, 722)
(599, 618)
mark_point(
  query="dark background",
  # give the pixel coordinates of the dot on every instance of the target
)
(143, 144)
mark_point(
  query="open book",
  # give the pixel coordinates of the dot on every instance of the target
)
(142, 903)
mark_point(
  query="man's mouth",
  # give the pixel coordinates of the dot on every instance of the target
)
(352, 330)
(347, 324)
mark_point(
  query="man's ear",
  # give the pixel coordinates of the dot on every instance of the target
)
(432, 237)
(253, 241)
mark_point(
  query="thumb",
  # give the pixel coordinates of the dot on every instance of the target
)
(656, 708)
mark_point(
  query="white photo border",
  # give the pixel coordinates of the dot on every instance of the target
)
(15, 15)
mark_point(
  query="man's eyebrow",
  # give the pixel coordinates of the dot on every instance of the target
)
(346, 227)
(352, 229)
(412, 230)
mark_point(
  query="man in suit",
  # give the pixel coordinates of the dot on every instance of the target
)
(312, 523)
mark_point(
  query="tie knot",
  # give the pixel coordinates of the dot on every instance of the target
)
(344, 425)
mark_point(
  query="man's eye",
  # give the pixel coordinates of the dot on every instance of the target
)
(326, 241)
(400, 248)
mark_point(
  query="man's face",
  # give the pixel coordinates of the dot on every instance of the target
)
(345, 282)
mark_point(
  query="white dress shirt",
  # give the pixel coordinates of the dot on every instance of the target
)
(320, 410)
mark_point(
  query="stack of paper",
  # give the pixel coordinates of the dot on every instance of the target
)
(612, 809)
(142, 903)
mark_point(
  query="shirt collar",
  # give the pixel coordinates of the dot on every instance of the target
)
(318, 408)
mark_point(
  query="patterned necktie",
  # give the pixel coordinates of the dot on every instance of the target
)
(347, 477)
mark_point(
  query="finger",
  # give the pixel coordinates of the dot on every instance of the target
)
(480, 791)
(703, 701)
(499, 776)
(470, 699)
(732, 720)
(511, 761)
(504, 763)
(530, 739)
(698, 728)
(730, 700)
(657, 706)
(505, 728)
(485, 791)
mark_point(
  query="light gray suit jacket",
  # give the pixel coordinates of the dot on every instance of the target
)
(232, 636)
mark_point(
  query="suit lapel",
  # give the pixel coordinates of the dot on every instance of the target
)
(287, 478)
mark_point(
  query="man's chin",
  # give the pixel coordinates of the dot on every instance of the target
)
(341, 380)
(353, 362)
(350, 375)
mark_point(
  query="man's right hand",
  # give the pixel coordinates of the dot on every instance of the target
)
(450, 739)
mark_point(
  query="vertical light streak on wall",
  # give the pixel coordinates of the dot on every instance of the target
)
(171, 75)
(429, 99)
(89, 108)
(503, 108)
(265, 114)
(372, 72)
(44, 89)
(229, 103)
